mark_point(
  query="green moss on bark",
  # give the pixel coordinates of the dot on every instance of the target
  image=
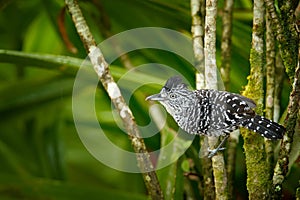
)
(254, 88)
(283, 27)
(258, 180)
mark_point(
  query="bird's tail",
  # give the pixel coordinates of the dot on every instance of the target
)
(265, 127)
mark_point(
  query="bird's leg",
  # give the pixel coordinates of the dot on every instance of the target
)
(219, 147)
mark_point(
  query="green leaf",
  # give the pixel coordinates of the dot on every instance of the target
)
(64, 64)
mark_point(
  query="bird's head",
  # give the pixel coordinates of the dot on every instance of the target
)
(173, 96)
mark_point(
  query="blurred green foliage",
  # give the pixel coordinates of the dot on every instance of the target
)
(41, 154)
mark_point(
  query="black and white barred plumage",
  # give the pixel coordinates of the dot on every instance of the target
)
(212, 112)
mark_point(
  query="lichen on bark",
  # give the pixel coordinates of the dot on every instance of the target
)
(258, 180)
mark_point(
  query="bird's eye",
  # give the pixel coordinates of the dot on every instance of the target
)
(172, 96)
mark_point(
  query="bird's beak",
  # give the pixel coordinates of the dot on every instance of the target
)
(155, 97)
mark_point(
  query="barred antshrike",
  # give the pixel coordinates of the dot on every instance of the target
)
(213, 113)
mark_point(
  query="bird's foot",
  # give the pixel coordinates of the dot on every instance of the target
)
(214, 151)
(219, 148)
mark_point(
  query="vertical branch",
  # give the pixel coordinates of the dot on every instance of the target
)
(197, 12)
(270, 88)
(279, 71)
(258, 181)
(286, 38)
(288, 20)
(219, 171)
(226, 42)
(225, 74)
(281, 168)
(211, 81)
(198, 37)
(270, 69)
(102, 69)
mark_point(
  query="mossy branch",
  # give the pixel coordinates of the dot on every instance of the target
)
(101, 67)
(281, 168)
(286, 35)
(258, 179)
(282, 165)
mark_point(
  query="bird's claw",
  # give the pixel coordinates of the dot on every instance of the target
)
(214, 151)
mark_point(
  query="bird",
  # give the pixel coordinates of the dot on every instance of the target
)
(212, 112)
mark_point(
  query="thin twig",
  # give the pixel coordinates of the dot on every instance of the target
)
(102, 69)
(225, 74)
(279, 71)
(63, 31)
(270, 87)
(226, 42)
(270, 69)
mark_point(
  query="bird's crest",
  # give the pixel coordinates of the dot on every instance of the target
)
(175, 82)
